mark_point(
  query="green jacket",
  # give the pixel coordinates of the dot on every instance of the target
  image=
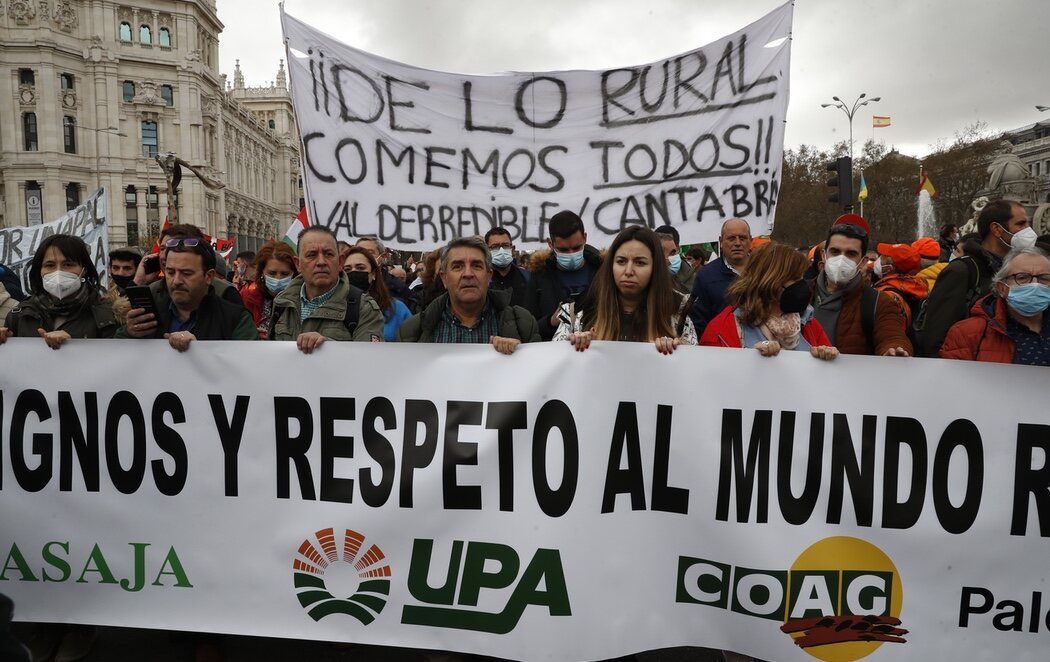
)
(94, 322)
(683, 280)
(330, 319)
(514, 321)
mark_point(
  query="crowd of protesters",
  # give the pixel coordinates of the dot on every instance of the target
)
(983, 296)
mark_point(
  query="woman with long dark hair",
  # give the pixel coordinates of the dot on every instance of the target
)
(632, 298)
(363, 271)
(770, 309)
(66, 300)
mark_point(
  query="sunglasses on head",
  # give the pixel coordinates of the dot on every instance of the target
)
(189, 242)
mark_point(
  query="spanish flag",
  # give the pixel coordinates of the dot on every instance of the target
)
(927, 185)
(863, 195)
(879, 121)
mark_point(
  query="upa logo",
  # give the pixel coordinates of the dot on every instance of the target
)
(325, 565)
(494, 584)
(840, 600)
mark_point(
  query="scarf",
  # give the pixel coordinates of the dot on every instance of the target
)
(48, 308)
(785, 329)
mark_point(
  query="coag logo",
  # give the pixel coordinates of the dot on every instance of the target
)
(325, 565)
(840, 600)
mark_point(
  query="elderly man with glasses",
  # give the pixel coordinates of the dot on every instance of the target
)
(1010, 324)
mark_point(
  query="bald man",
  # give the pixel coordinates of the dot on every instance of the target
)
(711, 282)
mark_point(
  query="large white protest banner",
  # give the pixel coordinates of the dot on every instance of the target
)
(548, 505)
(418, 157)
(88, 221)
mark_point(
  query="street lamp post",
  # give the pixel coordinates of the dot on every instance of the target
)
(850, 110)
(111, 130)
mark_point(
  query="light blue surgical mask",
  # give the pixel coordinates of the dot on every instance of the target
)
(276, 285)
(501, 257)
(569, 261)
(1030, 299)
(675, 263)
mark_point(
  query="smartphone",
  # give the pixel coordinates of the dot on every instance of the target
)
(151, 264)
(140, 296)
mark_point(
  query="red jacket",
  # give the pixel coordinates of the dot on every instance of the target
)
(722, 331)
(982, 335)
(252, 295)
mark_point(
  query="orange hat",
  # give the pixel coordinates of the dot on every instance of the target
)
(814, 248)
(905, 258)
(759, 241)
(927, 248)
(853, 219)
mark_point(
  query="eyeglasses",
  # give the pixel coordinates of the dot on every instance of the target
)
(189, 242)
(1024, 278)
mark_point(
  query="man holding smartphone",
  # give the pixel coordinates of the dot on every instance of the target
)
(151, 269)
(187, 307)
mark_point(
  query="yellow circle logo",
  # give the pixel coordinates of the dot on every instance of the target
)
(844, 600)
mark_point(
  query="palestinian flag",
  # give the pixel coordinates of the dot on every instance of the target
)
(298, 225)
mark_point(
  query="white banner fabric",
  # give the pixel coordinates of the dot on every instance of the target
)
(418, 157)
(88, 221)
(548, 505)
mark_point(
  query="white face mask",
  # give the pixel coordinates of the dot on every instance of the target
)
(839, 269)
(60, 284)
(880, 269)
(1024, 239)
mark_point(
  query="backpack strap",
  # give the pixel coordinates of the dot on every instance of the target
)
(353, 309)
(275, 317)
(973, 292)
(869, 300)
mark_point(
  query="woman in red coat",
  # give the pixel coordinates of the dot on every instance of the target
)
(770, 308)
(1011, 324)
(274, 269)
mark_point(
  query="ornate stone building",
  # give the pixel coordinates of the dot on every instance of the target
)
(1032, 145)
(91, 91)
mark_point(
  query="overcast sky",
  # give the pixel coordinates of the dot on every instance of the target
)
(938, 65)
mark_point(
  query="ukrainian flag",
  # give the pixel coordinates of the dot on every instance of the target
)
(863, 195)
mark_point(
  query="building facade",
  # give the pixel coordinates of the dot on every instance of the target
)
(1032, 145)
(92, 91)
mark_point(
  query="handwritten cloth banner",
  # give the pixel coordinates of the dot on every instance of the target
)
(419, 157)
(88, 221)
(549, 505)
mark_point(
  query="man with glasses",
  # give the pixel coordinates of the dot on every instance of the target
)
(505, 274)
(1001, 225)
(151, 268)
(1011, 325)
(187, 307)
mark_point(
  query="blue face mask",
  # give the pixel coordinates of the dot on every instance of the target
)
(569, 261)
(1029, 300)
(675, 263)
(501, 257)
(276, 285)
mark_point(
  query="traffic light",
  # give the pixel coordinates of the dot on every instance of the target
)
(843, 181)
